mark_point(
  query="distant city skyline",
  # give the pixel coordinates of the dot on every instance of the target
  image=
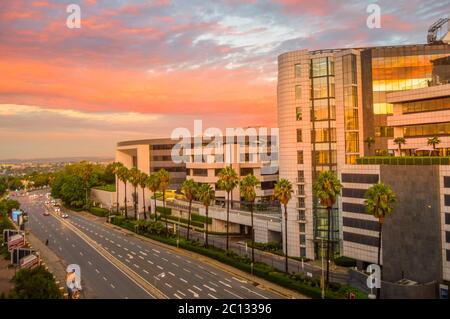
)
(138, 69)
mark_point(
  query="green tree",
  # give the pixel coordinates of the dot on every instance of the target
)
(143, 177)
(85, 171)
(228, 181)
(369, 141)
(153, 186)
(247, 187)
(35, 283)
(73, 191)
(206, 195)
(434, 141)
(135, 178)
(115, 170)
(189, 189)
(164, 180)
(124, 174)
(7, 205)
(327, 188)
(399, 141)
(283, 192)
(379, 203)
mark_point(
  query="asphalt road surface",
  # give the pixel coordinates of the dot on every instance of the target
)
(177, 276)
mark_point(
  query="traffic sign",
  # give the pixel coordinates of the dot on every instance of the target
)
(16, 241)
(30, 261)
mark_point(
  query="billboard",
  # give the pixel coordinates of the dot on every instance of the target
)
(30, 261)
(16, 241)
(19, 253)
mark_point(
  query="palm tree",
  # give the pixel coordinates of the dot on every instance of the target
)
(206, 195)
(115, 169)
(327, 188)
(85, 170)
(164, 180)
(153, 186)
(143, 183)
(228, 180)
(135, 176)
(434, 141)
(247, 187)
(369, 141)
(283, 192)
(379, 201)
(124, 174)
(189, 189)
(399, 141)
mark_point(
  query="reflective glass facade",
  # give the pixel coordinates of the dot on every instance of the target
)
(426, 105)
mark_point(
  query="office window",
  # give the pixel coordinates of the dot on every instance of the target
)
(301, 202)
(199, 172)
(323, 135)
(246, 171)
(298, 92)
(298, 113)
(353, 208)
(300, 176)
(301, 189)
(353, 192)
(303, 240)
(447, 181)
(447, 200)
(297, 70)
(360, 178)
(447, 218)
(299, 157)
(302, 227)
(447, 236)
(299, 135)
(302, 252)
(361, 239)
(448, 254)
(360, 223)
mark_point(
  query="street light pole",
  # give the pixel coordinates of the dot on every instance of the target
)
(322, 279)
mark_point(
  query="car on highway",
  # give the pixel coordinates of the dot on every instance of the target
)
(64, 215)
(57, 209)
(46, 213)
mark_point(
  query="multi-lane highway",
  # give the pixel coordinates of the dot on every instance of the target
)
(174, 275)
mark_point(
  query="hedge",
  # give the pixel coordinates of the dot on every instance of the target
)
(184, 221)
(164, 211)
(100, 212)
(345, 261)
(201, 218)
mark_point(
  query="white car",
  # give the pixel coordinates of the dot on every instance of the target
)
(64, 215)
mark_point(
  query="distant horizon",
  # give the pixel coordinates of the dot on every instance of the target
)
(53, 159)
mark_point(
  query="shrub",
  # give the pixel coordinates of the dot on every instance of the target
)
(100, 212)
(184, 221)
(200, 218)
(35, 283)
(164, 211)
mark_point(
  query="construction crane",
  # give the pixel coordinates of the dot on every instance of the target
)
(434, 29)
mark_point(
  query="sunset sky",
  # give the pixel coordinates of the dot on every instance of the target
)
(138, 69)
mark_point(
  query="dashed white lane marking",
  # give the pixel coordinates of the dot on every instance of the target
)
(186, 270)
(81, 254)
(212, 272)
(160, 267)
(96, 270)
(225, 284)
(232, 293)
(195, 287)
(112, 286)
(171, 273)
(60, 249)
(156, 251)
(90, 264)
(127, 260)
(146, 271)
(150, 262)
(181, 293)
(194, 293)
(177, 296)
(135, 265)
(168, 285)
(228, 280)
(175, 264)
(133, 253)
(141, 257)
(104, 278)
(215, 285)
(183, 280)
(210, 288)
(198, 276)
(212, 296)
(165, 259)
(120, 256)
(73, 245)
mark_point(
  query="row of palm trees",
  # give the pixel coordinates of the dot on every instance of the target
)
(399, 141)
(155, 182)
